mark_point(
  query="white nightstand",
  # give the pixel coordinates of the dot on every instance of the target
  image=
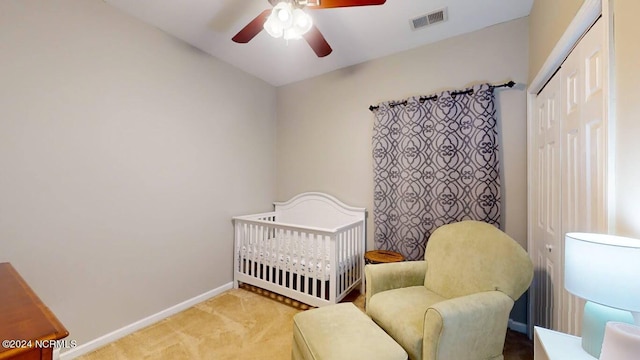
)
(553, 345)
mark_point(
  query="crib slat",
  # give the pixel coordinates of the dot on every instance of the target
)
(321, 265)
(291, 275)
(309, 248)
(325, 245)
(261, 250)
(339, 273)
(247, 243)
(279, 236)
(269, 259)
(346, 274)
(342, 274)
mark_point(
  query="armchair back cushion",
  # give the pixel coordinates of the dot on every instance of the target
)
(471, 256)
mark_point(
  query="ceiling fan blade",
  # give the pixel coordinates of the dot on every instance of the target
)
(327, 4)
(317, 42)
(252, 29)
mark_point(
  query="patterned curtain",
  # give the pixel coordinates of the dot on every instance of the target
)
(435, 162)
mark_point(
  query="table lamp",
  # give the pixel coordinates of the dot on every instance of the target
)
(621, 342)
(603, 269)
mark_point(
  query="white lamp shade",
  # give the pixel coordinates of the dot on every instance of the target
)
(621, 342)
(603, 269)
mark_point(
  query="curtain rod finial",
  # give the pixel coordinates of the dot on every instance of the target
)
(510, 84)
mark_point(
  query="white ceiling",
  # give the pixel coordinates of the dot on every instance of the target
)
(356, 34)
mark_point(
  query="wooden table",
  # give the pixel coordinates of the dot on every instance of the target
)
(28, 329)
(382, 256)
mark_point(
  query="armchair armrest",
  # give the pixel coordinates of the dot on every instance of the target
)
(382, 277)
(473, 324)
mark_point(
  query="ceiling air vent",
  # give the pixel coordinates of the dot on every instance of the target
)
(431, 18)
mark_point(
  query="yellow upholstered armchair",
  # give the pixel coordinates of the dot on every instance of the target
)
(455, 304)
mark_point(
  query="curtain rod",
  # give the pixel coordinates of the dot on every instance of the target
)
(509, 84)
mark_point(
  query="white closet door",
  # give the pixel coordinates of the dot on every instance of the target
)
(568, 190)
(584, 151)
(546, 228)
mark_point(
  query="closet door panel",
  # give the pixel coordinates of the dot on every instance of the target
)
(584, 153)
(572, 175)
(547, 230)
(593, 124)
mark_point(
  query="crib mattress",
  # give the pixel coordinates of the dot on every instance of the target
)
(295, 255)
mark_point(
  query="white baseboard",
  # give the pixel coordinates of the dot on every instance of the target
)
(149, 320)
(517, 326)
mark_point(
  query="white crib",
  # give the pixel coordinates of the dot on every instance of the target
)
(309, 249)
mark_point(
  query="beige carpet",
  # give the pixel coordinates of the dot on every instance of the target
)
(238, 324)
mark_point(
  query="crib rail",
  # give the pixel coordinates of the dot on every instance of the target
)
(271, 217)
(313, 265)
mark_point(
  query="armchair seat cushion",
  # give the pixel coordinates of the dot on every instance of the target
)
(400, 312)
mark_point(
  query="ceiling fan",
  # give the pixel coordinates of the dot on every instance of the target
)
(287, 19)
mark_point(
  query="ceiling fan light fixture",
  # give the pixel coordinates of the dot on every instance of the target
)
(285, 21)
(283, 14)
(273, 28)
(302, 22)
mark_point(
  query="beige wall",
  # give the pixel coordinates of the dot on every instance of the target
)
(627, 118)
(123, 155)
(325, 127)
(548, 21)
